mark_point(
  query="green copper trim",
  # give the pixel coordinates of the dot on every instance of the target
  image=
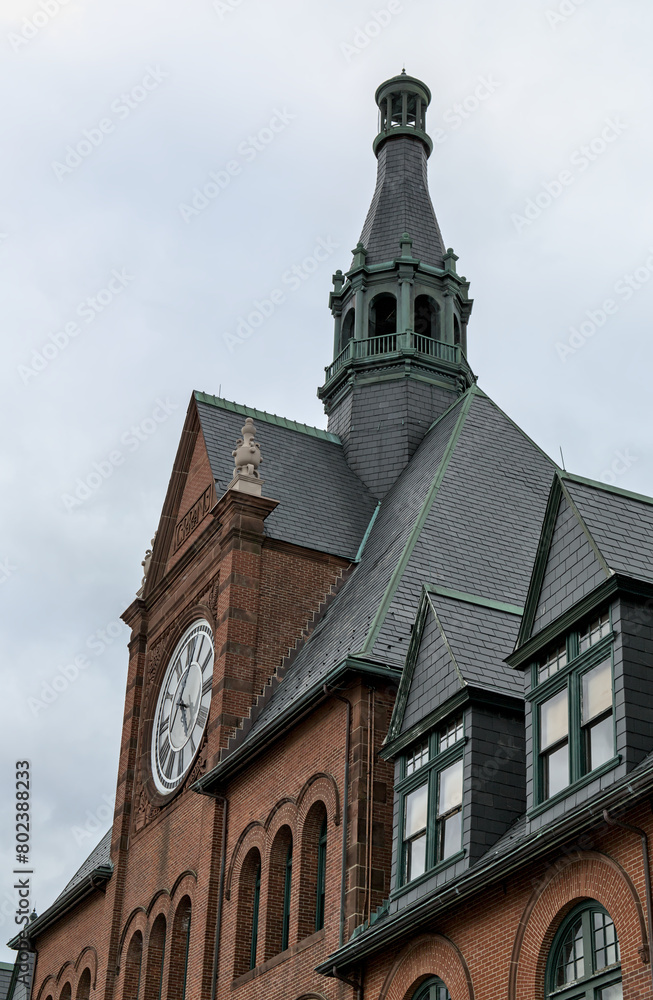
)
(268, 418)
(484, 602)
(466, 401)
(367, 533)
(605, 487)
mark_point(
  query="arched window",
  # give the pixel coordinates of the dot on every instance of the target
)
(133, 965)
(456, 330)
(249, 895)
(156, 953)
(427, 317)
(432, 989)
(347, 331)
(383, 315)
(312, 872)
(279, 891)
(66, 992)
(584, 959)
(84, 985)
(179, 948)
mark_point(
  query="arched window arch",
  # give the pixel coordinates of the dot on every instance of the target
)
(312, 873)
(66, 993)
(249, 896)
(383, 315)
(84, 986)
(133, 965)
(432, 989)
(584, 958)
(179, 948)
(347, 331)
(456, 330)
(279, 893)
(427, 317)
(156, 953)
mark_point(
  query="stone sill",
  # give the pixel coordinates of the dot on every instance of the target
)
(283, 956)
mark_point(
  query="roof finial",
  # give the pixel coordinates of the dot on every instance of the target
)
(247, 458)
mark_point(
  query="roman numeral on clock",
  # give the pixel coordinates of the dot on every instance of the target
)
(207, 685)
(202, 716)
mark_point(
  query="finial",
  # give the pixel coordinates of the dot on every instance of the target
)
(247, 458)
(406, 245)
(360, 253)
(338, 281)
(146, 563)
(450, 259)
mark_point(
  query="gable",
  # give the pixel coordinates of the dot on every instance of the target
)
(435, 675)
(197, 499)
(572, 570)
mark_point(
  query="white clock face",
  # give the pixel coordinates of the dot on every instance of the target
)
(182, 708)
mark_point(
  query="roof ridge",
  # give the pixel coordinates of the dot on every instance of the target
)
(481, 392)
(269, 418)
(605, 487)
(483, 602)
(372, 635)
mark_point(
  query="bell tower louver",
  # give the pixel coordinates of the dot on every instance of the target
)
(401, 310)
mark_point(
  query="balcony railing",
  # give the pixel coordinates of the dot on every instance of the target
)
(373, 347)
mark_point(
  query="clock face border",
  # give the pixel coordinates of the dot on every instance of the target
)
(182, 709)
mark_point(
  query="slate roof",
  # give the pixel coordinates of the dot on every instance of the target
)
(464, 514)
(621, 524)
(323, 505)
(99, 856)
(463, 644)
(401, 203)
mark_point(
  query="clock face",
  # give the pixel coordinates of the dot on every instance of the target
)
(182, 708)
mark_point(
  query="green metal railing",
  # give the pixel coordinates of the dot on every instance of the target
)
(373, 347)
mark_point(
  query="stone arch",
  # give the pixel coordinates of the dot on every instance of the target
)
(319, 787)
(583, 875)
(428, 955)
(133, 968)
(188, 874)
(252, 836)
(277, 807)
(50, 983)
(138, 917)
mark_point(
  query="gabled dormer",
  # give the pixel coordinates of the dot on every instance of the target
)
(586, 644)
(457, 739)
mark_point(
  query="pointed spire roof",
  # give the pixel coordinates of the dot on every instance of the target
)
(401, 202)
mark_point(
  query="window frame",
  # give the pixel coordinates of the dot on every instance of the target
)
(432, 989)
(253, 943)
(320, 895)
(287, 894)
(428, 774)
(586, 987)
(570, 676)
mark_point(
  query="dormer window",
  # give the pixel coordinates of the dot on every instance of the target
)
(431, 801)
(573, 709)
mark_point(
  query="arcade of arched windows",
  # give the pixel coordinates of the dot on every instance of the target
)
(277, 879)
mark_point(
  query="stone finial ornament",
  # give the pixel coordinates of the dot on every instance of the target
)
(247, 458)
(146, 566)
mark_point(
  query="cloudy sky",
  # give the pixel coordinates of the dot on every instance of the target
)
(124, 285)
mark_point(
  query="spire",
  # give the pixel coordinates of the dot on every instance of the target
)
(401, 311)
(401, 201)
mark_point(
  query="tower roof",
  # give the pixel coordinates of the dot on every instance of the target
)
(401, 202)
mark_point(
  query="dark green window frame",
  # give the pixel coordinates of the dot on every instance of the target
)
(321, 877)
(257, 902)
(584, 962)
(287, 884)
(432, 989)
(576, 743)
(442, 823)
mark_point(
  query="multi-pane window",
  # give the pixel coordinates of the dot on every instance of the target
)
(573, 709)
(594, 632)
(555, 661)
(584, 960)
(431, 798)
(433, 989)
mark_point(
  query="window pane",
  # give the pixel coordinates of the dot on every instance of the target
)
(605, 944)
(571, 963)
(451, 788)
(452, 733)
(417, 757)
(451, 835)
(554, 719)
(614, 992)
(597, 691)
(600, 743)
(556, 659)
(415, 857)
(595, 631)
(556, 771)
(415, 811)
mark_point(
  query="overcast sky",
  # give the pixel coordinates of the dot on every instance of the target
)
(124, 285)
